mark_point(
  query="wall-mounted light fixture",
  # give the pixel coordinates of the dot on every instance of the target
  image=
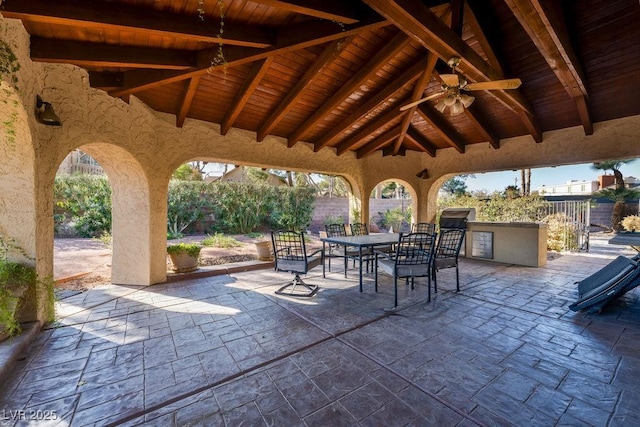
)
(45, 114)
(423, 174)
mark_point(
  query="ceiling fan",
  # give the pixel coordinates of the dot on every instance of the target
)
(452, 85)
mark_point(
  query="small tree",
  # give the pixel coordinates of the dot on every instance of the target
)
(619, 194)
(187, 172)
(455, 186)
(614, 166)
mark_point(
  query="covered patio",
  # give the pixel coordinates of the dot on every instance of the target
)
(226, 350)
(294, 85)
(327, 87)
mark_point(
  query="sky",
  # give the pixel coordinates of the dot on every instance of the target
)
(497, 181)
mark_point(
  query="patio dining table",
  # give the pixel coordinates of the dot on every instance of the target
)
(362, 242)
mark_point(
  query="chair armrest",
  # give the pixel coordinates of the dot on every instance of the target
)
(384, 255)
(315, 252)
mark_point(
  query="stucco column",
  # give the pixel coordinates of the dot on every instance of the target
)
(426, 205)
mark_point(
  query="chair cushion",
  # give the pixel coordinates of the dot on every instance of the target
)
(388, 266)
(445, 262)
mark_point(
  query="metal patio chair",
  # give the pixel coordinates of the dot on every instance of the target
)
(360, 229)
(447, 253)
(413, 258)
(340, 251)
(291, 255)
(424, 227)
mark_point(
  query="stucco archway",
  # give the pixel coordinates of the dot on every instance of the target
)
(131, 206)
(414, 205)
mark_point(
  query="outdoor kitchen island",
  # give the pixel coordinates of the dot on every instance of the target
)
(519, 243)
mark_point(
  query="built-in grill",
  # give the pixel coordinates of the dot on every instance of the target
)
(457, 217)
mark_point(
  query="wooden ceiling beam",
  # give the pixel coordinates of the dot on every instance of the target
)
(333, 10)
(418, 92)
(103, 14)
(328, 55)
(256, 73)
(417, 21)
(314, 34)
(453, 138)
(404, 79)
(109, 55)
(378, 143)
(483, 42)
(549, 34)
(105, 80)
(482, 125)
(366, 130)
(422, 143)
(384, 55)
(187, 99)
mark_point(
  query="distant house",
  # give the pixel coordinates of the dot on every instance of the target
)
(584, 188)
(570, 188)
(80, 162)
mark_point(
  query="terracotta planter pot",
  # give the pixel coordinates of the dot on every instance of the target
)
(183, 262)
(264, 250)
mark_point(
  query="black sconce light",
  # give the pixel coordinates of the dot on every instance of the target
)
(423, 174)
(45, 114)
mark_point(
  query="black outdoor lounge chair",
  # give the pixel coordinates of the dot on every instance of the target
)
(291, 255)
(605, 285)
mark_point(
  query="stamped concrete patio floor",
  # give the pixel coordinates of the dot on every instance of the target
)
(226, 351)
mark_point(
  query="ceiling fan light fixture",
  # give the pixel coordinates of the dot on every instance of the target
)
(440, 106)
(449, 100)
(466, 100)
(457, 108)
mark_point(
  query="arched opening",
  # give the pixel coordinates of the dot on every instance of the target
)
(128, 193)
(392, 206)
(82, 224)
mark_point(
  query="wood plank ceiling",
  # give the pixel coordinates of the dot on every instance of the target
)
(334, 73)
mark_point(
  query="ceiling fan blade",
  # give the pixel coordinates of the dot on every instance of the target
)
(496, 84)
(420, 101)
(450, 79)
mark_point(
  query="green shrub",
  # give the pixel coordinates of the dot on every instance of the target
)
(13, 277)
(187, 202)
(242, 208)
(293, 209)
(396, 218)
(333, 219)
(172, 236)
(561, 233)
(191, 249)
(85, 200)
(219, 240)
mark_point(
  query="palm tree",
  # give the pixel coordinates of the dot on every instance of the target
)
(525, 177)
(618, 194)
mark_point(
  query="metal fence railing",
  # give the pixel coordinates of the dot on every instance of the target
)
(573, 217)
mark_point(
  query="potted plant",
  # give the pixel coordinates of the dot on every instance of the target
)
(184, 257)
(15, 280)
